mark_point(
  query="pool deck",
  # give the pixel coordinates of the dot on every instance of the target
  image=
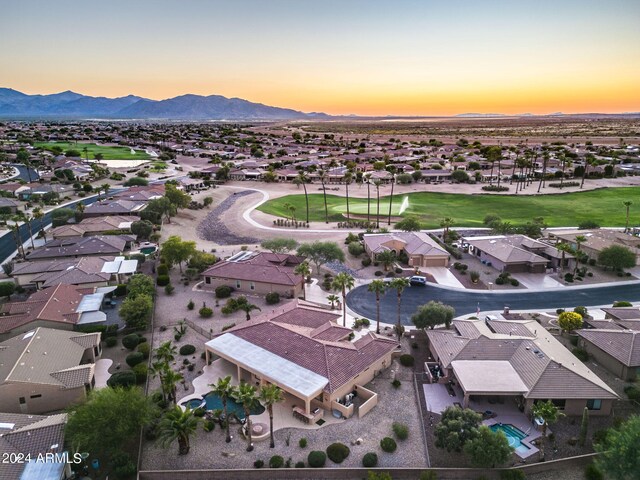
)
(101, 372)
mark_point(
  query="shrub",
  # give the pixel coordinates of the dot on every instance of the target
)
(559, 310)
(369, 460)
(209, 425)
(206, 312)
(131, 341)
(302, 443)
(495, 188)
(337, 452)
(141, 371)
(223, 291)
(401, 430)
(407, 360)
(388, 444)
(276, 461)
(187, 349)
(144, 349)
(499, 281)
(199, 412)
(191, 305)
(355, 249)
(568, 277)
(111, 341)
(169, 289)
(272, 298)
(600, 436)
(632, 392)
(581, 354)
(512, 475)
(122, 379)
(162, 269)
(430, 475)
(622, 304)
(366, 262)
(588, 225)
(258, 464)
(120, 291)
(134, 359)
(378, 273)
(582, 311)
(592, 472)
(514, 282)
(317, 459)
(163, 280)
(574, 341)
(396, 383)
(300, 464)
(228, 326)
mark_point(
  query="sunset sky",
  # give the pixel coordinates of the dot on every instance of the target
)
(429, 57)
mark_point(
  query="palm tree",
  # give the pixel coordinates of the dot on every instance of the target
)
(166, 352)
(391, 198)
(292, 209)
(377, 185)
(563, 161)
(545, 159)
(386, 258)
(301, 179)
(247, 308)
(305, 270)
(493, 154)
(399, 284)
(549, 414)
(286, 207)
(323, 175)
(499, 167)
(246, 395)
(332, 299)
(368, 180)
(158, 369)
(580, 239)
(270, 395)
(564, 248)
(177, 424)
(588, 161)
(378, 287)
(170, 380)
(627, 204)
(343, 282)
(38, 216)
(28, 221)
(223, 389)
(348, 177)
(446, 223)
(16, 230)
(86, 153)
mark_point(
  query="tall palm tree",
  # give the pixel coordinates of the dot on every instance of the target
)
(545, 160)
(446, 223)
(323, 175)
(305, 270)
(386, 258)
(580, 239)
(247, 397)
(564, 248)
(348, 177)
(170, 380)
(343, 282)
(549, 414)
(28, 221)
(378, 287)
(16, 230)
(493, 154)
(368, 180)
(302, 179)
(499, 167)
(177, 424)
(286, 206)
(588, 161)
(166, 352)
(399, 284)
(377, 185)
(38, 216)
(223, 389)
(158, 369)
(627, 204)
(270, 395)
(391, 198)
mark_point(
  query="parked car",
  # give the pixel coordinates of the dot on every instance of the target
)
(418, 280)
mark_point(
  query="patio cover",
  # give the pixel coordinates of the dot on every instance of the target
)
(120, 265)
(290, 375)
(497, 377)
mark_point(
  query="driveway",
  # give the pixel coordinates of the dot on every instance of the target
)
(443, 276)
(537, 280)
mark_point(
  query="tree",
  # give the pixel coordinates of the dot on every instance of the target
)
(301, 179)
(488, 449)
(377, 184)
(399, 284)
(223, 389)
(247, 308)
(332, 299)
(323, 175)
(321, 252)
(105, 187)
(391, 199)
(140, 284)
(570, 321)
(457, 426)
(279, 245)
(493, 154)
(175, 250)
(348, 178)
(177, 424)
(446, 223)
(386, 258)
(460, 176)
(408, 224)
(142, 229)
(343, 282)
(246, 396)
(38, 216)
(176, 197)
(23, 157)
(207, 201)
(304, 270)
(433, 314)
(549, 414)
(617, 257)
(170, 380)
(379, 287)
(135, 311)
(627, 205)
(158, 208)
(270, 395)
(7, 289)
(619, 457)
(109, 421)
(136, 182)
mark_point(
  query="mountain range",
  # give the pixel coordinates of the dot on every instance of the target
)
(15, 104)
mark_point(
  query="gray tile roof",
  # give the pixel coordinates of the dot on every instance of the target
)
(623, 345)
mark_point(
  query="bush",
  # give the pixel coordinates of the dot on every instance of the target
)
(141, 372)
(401, 430)
(258, 464)
(300, 464)
(388, 444)
(209, 425)
(302, 443)
(187, 349)
(163, 280)
(512, 475)
(592, 472)
(191, 305)
(378, 273)
(111, 341)
(162, 269)
(134, 359)
(622, 304)
(144, 349)
(276, 461)
(495, 188)
(588, 225)
(581, 354)
(355, 249)
(559, 310)
(366, 262)
(396, 383)
(122, 379)
(228, 326)
(169, 289)
(407, 360)
(337, 452)
(514, 282)
(131, 341)
(568, 277)
(632, 392)
(121, 290)
(206, 312)
(582, 311)
(272, 298)
(223, 291)
(499, 281)
(317, 459)
(369, 460)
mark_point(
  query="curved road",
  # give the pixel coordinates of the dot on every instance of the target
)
(363, 302)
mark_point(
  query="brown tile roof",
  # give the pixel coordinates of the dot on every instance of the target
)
(78, 246)
(262, 268)
(95, 224)
(623, 313)
(623, 345)
(115, 207)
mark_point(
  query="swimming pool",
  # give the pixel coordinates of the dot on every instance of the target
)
(211, 401)
(148, 250)
(514, 436)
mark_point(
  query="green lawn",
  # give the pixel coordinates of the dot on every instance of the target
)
(569, 209)
(108, 153)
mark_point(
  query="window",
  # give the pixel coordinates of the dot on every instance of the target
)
(36, 396)
(559, 403)
(594, 404)
(207, 280)
(238, 284)
(252, 286)
(23, 400)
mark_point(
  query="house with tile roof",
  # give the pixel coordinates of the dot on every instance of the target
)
(141, 193)
(301, 348)
(95, 226)
(257, 273)
(61, 307)
(115, 207)
(515, 361)
(76, 247)
(45, 370)
(421, 249)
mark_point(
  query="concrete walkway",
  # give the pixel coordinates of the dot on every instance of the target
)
(101, 372)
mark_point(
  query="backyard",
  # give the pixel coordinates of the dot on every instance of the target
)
(603, 206)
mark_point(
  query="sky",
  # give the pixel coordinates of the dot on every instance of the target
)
(365, 57)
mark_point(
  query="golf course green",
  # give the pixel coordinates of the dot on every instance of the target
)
(603, 206)
(108, 153)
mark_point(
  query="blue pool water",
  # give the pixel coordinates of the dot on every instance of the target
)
(214, 402)
(514, 436)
